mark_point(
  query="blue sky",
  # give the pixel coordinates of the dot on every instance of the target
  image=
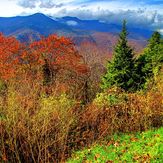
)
(148, 13)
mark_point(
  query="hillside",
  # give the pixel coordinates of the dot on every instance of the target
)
(29, 28)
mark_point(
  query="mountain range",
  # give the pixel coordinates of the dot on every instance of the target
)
(102, 34)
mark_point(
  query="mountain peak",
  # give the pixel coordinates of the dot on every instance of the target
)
(38, 14)
(67, 18)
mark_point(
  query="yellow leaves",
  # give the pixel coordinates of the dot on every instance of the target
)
(89, 150)
(133, 139)
(116, 144)
(110, 143)
(157, 135)
(97, 155)
(142, 158)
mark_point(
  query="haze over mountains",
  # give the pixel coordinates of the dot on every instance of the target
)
(29, 28)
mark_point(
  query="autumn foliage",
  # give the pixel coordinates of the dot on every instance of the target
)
(9, 56)
(56, 51)
(45, 113)
(53, 51)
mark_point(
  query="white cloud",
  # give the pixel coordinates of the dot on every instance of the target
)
(28, 3)
(42, 3)
(135, 17)
(72, 23)
(9, 8)
(161, 31)
(147, 13)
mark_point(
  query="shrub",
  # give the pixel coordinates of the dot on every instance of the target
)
(35, 134)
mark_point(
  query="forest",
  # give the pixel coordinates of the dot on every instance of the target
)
(63, 103)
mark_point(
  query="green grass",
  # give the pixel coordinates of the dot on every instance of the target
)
(139, 147)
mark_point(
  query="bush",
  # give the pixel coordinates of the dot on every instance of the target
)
(110, 97)
(35, 135)
(117, 111)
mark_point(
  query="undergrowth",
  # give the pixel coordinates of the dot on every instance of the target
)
(40, 127)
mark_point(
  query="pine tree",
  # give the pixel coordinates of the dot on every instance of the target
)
(121, 68)
(152, 54)
(149, 63)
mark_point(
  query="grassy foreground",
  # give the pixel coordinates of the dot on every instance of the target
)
(139, 147)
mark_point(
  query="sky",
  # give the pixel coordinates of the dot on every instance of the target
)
(145, 13)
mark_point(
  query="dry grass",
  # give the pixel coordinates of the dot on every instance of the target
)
(35, 127)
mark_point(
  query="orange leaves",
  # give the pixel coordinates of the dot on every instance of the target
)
(57, 51)
(50, 48)
(9, 51)
(53, 50)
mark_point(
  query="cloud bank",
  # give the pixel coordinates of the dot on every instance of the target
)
(145, 13)
(48, 4)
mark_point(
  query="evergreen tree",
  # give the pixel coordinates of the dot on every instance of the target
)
(121, 68)
(152, 54)
(149, 63)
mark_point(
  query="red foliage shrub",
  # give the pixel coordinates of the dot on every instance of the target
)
(9, 56)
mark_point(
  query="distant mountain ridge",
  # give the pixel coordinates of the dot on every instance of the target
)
(27, 28)
(39, 23)
(98, 26)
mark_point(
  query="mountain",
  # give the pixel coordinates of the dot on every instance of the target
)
(29, 28)
(90, 25)
(96, 25)
(35, 25)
